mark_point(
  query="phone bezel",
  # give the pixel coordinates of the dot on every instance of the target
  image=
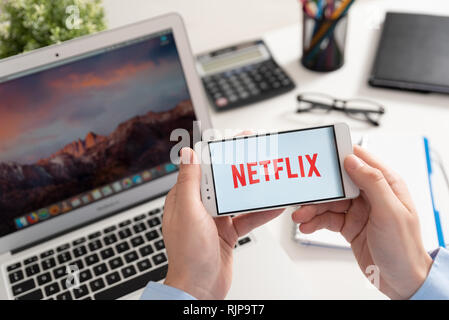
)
(344, 148)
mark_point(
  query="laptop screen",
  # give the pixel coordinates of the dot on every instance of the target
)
(81, 130)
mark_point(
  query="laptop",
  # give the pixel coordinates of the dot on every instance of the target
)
(86, 137)
(85, 133)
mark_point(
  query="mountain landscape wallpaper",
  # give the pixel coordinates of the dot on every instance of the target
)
(80, 126)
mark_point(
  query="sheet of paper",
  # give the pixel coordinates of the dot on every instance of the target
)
(406, 155)
(323, 238)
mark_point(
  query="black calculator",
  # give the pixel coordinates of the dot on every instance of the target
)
(241, 75)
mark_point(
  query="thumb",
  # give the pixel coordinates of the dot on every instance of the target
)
(372, 182)
(189, 176)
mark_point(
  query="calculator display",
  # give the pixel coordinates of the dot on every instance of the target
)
(228, 61)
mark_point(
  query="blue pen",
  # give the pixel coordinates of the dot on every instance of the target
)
(319, 12)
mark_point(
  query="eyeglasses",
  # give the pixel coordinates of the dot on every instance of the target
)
(358, 109)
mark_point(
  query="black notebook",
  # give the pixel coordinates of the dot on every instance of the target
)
(413, 53)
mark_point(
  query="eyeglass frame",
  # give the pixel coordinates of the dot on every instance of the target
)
(340, 105)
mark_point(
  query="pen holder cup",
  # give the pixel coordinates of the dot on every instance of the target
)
(323, 42)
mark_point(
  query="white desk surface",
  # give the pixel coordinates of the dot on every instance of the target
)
(331, 273)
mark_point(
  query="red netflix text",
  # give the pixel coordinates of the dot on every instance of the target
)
(244, 174)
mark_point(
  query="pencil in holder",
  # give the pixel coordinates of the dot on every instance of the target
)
(323, 42)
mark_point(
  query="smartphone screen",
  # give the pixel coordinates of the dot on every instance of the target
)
(286, 168)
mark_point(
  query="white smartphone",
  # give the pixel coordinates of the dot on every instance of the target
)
(261, 172)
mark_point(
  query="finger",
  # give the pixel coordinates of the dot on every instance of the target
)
(247, 222)
(328, 220)
(189, 177)
(307, 213)
(396, 183)
(373, 183)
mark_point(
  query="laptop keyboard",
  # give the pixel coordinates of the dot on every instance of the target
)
(110, 263)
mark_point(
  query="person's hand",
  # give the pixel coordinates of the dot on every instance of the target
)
(381, 225)
(199, 247)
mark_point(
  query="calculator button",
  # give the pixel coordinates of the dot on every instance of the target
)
(211, 85)
(282, 77)
(229, 92)
(244, 95)
(255, 92)
(276, 84)
(214, 91)
(221, 102)
(241, 90)
(263, 86)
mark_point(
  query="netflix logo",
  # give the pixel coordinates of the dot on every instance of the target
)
(247, 174)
